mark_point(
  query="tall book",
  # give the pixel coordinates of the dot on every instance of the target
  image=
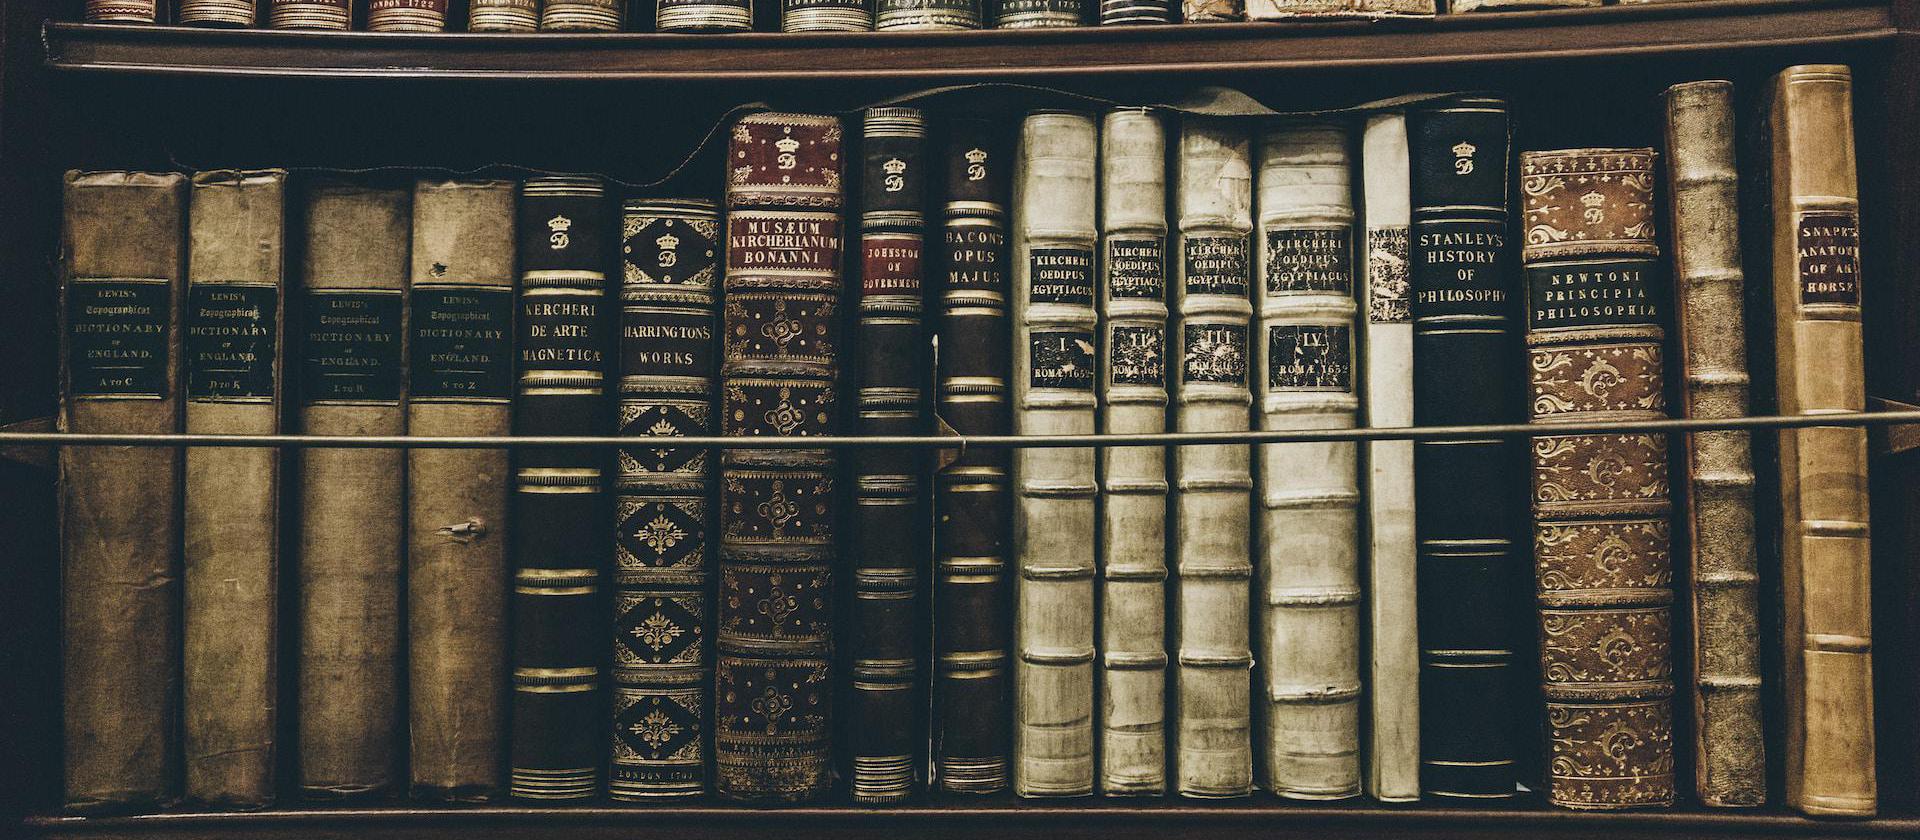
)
(774, 674)
(352, 530)
(890, 533)
(124, 248)
(1133, 479)
(1337, 9)
(825, 16)
(1386, 382)
(504, 15)
(1054, 536)
(460, 383)
(1469, 493)
(926, 15)
(1307, 552)
(560, 506)
(307, 14)
(236, 271)
(1039, 14)
(972, 598)
(1818, 369)
(1602, 558)
(1715, 487)
(663, 502)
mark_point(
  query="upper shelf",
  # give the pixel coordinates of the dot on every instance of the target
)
(1699, 27)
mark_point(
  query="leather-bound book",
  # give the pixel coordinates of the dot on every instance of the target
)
(663, 508)
(124, 253)
(582, 15)
(503, 15)
(351, 502)
(1212, 505)
(1386, 389)
(1818, 368)
(1307, 552)
(972, 596)
(1128, 12)
(884, 718)
(1337, 9)
(825, 16)
(1212, 11)
(406, 15)
(217, 13)
(1133, 479)
(925, 15)
(310, 14)
(773, 681)
(1039, 14)
(1470, 493)
(122, 11)
(1602, 558)
(460, 383)
(1714, 488)
(1054, 537)
(560, 506)
(236, 268)
(703, 16)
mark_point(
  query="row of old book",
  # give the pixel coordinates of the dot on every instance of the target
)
(1318, 619)
(795, 15)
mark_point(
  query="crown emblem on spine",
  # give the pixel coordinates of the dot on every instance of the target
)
(1593, 199)
(1464, 150)
(667, 242)
(894, 166)
(976, 156)
(559, 224)
(787, 145)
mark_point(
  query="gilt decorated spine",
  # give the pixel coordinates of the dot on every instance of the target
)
(1715, 488)
(972, 610)
(1213, 483)
(123, 11)
(309, 14)
(1819, 358)
(1129, 12)
(1307, 553)
(582, 15)
(1039, 14)
(124, 252)
(560, 504)
(460, 382)
(235, 284)
(406, 15)
(703, 16)
(1470, 493)
(1602, 555)
(503, 15)
(826, 15)
(1337, 9)
(774, 685)
(217, 13)
(1054, 524)
(352, 533)
(926, 15)
(1133, 479)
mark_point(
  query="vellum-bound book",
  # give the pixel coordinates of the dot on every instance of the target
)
(1307, 555)
(1458, 6)
(1298, 9)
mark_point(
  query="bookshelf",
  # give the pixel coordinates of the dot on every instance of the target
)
(74, 94)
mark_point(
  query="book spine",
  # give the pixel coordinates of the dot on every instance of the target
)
(1039, 14)
(124, 255)
(406, 15)
(972, 598)
(1824, 545)
(216, 13)
(884, 718)
(1386, 381)
(926, 15)
(460, 383)
(1212, 11)
(1133, 479)
(122, 11)
(662, 661)
(1463, 6)
(236, 273)
(1054, 518)
(1131, 12)
(1309, 529)
(1602, 557)
(352, 532)
(703, 16)
(1212, 504)
(582, 15)
(309, 14)
(1337, 9)
(1471, 576)
(560, 505)
(774, 676)
(1716, 490)
(503, 15)
(825, 16)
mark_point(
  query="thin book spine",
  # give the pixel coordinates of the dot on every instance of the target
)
(1386, 381)
(972, 610)
(460, 366)
(560, 502)
(1715, 490)
(1133, 479)
(1307, 554)
(1054, 351)
(236, 273)
(124, 248)
(352, 533)
(663, 505)
(1213, 483)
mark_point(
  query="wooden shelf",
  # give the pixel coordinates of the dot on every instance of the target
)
(1502, 39)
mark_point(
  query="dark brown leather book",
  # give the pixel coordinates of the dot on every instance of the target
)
(352, 313)
(926, 14)
(460, 382)
(235, 285)
(124, 255)
(582, 15)
(773, 682)
(885, 721)
(1039, 14)
(663, 517)
(560, 503)
(406, 15)
(972, 609)
(825, 16)
(310, 14)
(1602, 554)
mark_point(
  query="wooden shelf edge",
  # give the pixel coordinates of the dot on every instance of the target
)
(1698, 27)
